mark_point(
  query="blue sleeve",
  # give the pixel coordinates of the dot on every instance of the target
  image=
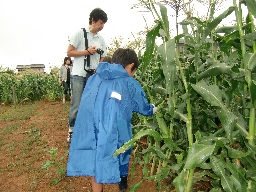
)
(139, 101)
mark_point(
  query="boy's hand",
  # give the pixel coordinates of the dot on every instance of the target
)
(154, 109)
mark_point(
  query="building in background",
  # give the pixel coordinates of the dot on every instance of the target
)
(31, 68)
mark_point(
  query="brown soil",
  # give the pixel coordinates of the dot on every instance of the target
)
(24, 137)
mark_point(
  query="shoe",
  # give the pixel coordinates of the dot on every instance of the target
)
(123, 184)
(69, 136)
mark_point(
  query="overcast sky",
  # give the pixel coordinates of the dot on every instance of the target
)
(36, 31)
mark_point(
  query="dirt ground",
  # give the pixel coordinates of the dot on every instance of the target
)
(26, 132)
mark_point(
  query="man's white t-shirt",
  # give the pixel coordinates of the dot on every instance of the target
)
(78, 41)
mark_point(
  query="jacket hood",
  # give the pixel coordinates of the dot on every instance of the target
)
(111, 71)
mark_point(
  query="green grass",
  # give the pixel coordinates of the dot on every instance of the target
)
(18, 112)
(23, 148)
(3, 108)
(13, 126)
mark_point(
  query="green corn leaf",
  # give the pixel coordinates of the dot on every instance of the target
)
(251, 4)
(226, 29)
(136, 186)
(241, 125)
(251, 148)
(228, 121)
(210, 93)
(150, 45)
(168, 143)
(164, 15)
(234, 153)
(250, 60)
(253, 92)
(212, 25)
(238, 176)
(251, 160)
(171, 106)
(220, 141)
(236, 182)
(146, 125)
(250, 36)
(140, 134)
(157, 151)
(160, 101)
(235, 34)
(162, 125)
(188, 38)
(197, 154)
(205, 166)
(218, 167)
(232, 59)
(216, 190)
(214, 70)
(181, 116)
(167, 52)
(145, 170)
(155, 177)
(252, 175)
(180, 181)
(211, 123)
(160, 90)
(163, 174)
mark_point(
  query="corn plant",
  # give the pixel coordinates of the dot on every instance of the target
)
(18, 88)
(204, 129)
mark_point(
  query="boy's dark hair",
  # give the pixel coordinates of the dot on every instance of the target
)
(107, 59)
(126, 57)
(98, 14)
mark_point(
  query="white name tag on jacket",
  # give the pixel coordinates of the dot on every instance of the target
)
(115, 95)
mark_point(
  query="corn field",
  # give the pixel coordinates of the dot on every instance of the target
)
(204, 129)
(23, 87)
(205, 92)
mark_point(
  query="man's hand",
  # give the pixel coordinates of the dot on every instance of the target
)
(91, 50)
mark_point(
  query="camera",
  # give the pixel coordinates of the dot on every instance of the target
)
(90, 71)
(100, 51)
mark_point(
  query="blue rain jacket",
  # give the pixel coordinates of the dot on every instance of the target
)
(103, 124)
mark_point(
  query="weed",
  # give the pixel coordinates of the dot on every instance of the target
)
(58, 165)
(16, 112)
(11, 128)
(33, 137)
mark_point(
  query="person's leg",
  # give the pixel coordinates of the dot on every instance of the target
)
(123, 176)
(69, 90)
(65, 90)
(63, 98)
(124, 168)
(96, 187)
(70, 87)
(78, 84)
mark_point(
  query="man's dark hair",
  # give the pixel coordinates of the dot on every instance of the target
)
(98, 14)
(126, 57)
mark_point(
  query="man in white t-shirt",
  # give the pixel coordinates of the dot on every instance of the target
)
(96, 51)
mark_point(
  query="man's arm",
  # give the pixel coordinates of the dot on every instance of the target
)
(72, 52)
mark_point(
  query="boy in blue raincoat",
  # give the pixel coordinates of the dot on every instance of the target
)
(103, 122)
